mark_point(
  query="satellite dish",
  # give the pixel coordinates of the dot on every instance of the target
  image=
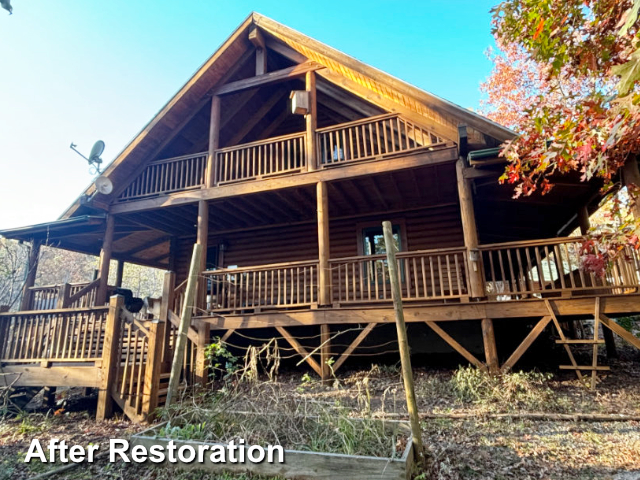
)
(103, 184)
(96, 151)
(94, 159)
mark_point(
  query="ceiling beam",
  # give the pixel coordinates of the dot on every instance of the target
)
(269, 78)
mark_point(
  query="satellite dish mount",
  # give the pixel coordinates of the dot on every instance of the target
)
(94, 159)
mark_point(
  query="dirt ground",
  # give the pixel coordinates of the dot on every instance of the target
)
(478, 446)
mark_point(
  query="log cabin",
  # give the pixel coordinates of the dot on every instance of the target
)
(281, 157)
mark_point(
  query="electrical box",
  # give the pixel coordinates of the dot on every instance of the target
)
(300, 102)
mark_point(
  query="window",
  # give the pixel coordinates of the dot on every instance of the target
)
(372, 243)
(373, 239)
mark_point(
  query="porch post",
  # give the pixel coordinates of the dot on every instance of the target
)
(109, 358)
(312, 121)
(166, 304)
(32, 265)
(324, 274)
(470, 232)
(631, 175)
(119, 273)
(105, 260)
(214, 141)
(583, 220)
(201, 293)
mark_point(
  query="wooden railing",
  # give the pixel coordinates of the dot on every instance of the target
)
(554, 266)
(424, 275)
(68, 295)
(52, 336)
(372, 137)
(282, 285)
(169, 175)
(131, 363)
(255, 160)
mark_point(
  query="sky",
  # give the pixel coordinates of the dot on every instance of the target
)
(82, 70)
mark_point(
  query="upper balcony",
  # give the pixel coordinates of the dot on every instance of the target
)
(370, 139)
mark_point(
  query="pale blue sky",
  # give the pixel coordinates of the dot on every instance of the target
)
(82, 70)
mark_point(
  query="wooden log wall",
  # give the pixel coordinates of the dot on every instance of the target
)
(425, 229)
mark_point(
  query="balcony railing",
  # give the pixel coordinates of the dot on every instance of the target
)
(370, 138)
(255, 160)
(284, 285)
(68, 295)
(424, 275)
(56, 335)
(555, 266)
(169, 175)
(367, 139)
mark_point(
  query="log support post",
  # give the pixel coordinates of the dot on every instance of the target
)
(202, 239)
(166, 304)
(32, 270)
(311, 119)
(105, 260)
(214, 142)
(119, 273)
(470, 232)
(110, 358)
(490, 349)
(325, 352)
(324, 273)
(583, 220)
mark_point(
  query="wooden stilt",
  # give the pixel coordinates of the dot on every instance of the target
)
(165, 305)
(490, 349)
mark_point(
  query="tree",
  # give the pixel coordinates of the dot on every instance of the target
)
(566, 79)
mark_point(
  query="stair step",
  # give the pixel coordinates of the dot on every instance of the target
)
(584, 367)
(580, 342)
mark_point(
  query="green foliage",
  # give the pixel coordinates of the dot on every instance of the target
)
(510, 391)
(220, 359)
(628, 323)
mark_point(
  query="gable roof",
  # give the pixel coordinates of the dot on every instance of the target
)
(347, 72)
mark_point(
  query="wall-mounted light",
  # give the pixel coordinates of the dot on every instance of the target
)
(299, 102)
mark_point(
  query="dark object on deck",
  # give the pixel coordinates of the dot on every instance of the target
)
(131, 303)
(6, 4)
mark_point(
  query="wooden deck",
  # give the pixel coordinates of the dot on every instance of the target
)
(127, 357)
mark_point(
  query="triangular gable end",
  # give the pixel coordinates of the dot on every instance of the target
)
(343, 83)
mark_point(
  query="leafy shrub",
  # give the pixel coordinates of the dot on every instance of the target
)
(509, 391)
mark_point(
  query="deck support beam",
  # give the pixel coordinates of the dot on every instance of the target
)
(32, 266)
(456, 346)
(105, 261)
(631, 176)
(324, 273)
(201, 292)
(526, 343)
(300, 350)
(490, 349)
(470, 232)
